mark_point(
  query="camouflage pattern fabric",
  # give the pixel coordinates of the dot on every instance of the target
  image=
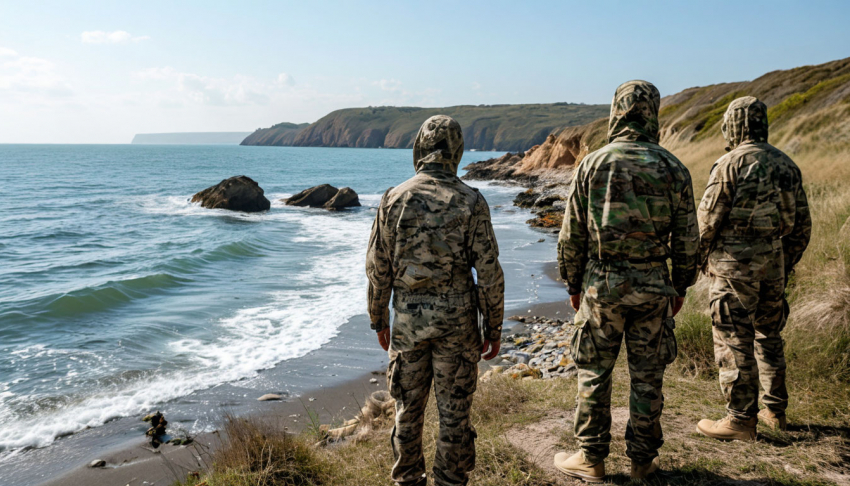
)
(748, 318)
(754, 216)
(630, 209)
(451, 363)
(651, 345)
(631, 201)
(754, 227)
(428, 235)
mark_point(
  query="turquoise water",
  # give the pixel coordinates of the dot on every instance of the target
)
(117, 295)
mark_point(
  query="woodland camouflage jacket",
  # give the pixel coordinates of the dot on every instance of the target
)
(754, 217)
(428, 235)
(630, 205)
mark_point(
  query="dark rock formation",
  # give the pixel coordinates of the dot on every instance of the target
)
(502, 168)
(238, 193)
(345, 198)
(325, 196)
(314, 197)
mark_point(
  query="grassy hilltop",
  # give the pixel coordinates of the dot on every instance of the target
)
(485, 127)
(520, 422)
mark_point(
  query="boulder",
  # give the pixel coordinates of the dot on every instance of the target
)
(238, 193)
(344, 198)
(314, 197)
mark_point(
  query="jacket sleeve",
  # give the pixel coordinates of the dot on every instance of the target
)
(715, 205)
(379, 258)
(795, 243)
(484, 257)
(573, 239)
(684, 238)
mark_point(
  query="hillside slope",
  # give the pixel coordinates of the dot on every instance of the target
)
(485, 127)
(809, 113)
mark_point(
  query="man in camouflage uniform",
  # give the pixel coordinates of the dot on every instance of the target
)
(630, 208)
(754, 226)
(429, 235)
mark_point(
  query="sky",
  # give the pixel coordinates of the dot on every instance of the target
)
(100, 72)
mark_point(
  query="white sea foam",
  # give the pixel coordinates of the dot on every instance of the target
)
(327, 293)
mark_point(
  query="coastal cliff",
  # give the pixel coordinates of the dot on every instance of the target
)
(485, 127)
(808, 110)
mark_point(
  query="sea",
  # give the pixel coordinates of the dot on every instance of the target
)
(118, 296)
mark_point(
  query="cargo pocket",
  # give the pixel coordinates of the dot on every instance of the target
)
(394, 376)
(582, 347)
(668, 348)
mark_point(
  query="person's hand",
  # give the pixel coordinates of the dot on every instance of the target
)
(575, 301)
(678, 302)
(493, 346)
(384, 339)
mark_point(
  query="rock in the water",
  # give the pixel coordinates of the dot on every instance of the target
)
(98, 463)
(238, 193)
(314, 197)
(269, 397)
(345, 198)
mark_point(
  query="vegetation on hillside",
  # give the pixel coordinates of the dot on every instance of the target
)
(485, 127)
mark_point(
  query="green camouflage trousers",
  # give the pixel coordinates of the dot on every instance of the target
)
(650, 345)
(451, 362)
(748, 318)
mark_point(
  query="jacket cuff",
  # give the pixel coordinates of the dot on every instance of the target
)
(377, 326)
(682, 291)
(573, 290)
(493, 335)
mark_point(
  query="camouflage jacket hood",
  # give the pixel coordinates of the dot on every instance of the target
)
(438, 145)
(634, 113)
(745, 121)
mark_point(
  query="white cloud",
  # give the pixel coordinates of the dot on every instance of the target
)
(388, 85)
(285, 79)
(29, 78)
(116, 37)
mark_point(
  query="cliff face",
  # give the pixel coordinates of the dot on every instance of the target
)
(280, 134)
(485, 127)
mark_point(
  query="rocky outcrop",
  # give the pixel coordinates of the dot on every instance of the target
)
(344, 198)
(282, 134)
(325, 196)
(238, 193)
(502, 168)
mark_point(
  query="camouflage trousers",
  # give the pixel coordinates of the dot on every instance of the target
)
(451, 363)
(650, 345)
(748, 318)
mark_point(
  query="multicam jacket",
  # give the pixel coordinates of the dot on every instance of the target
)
(429, 234)
(630, 208)
(754, 217)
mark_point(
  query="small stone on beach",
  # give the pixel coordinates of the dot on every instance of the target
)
(374, 380)
(269, 397)
(98, 463)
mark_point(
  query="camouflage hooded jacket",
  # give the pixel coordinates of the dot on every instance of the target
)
(630, 208)
(429, 234)
(754, 216)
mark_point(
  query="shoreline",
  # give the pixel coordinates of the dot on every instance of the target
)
(135, 463)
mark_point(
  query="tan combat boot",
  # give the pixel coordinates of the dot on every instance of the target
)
(729, 428)
(641, 471)
(577, 466)
(772, 420)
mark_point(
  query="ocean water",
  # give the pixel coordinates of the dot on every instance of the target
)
(118, 296)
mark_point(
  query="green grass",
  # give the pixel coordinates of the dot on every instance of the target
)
(797, 100)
